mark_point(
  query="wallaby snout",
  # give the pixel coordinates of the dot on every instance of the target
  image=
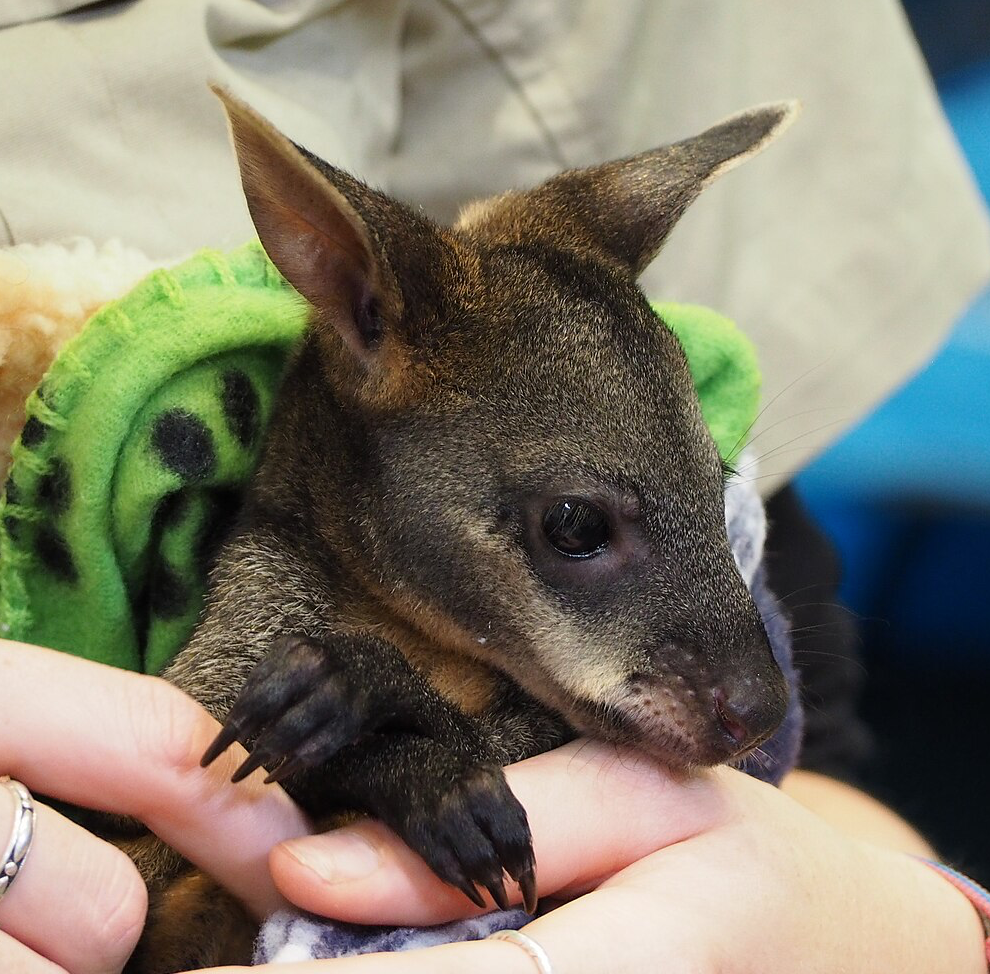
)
(748, 716)
(690, 711)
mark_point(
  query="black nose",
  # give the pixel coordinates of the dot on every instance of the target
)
(746, 722)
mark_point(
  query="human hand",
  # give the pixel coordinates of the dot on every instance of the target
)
(118, 742)
(713, 872)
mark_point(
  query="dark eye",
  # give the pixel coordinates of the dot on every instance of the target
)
(575, 527)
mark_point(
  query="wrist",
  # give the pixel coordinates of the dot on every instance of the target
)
(949, 934)
(974, 894)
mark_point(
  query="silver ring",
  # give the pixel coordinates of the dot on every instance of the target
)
(21, 836)
(528, 944)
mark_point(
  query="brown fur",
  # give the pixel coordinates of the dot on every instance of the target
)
(456, 384)
(194, 923)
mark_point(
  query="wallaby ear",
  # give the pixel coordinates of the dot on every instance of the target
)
(628, 207)
(311, 231)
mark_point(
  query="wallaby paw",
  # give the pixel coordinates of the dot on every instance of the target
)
(472, 833)
(297, 709)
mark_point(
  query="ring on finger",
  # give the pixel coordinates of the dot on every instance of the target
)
(20, 836)
(528, 944)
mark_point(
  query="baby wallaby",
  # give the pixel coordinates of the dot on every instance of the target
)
(489, 516)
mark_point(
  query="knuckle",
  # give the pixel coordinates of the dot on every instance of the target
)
(120, 909)
(122, 927)
(176, 729)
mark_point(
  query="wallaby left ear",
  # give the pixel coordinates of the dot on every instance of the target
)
(627, 208)
(312, 232)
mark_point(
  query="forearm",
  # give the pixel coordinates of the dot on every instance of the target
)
(854, 813)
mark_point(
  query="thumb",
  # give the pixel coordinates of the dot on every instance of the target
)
(592, 809)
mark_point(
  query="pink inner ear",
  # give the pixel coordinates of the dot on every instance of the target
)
(309, 229)
(322, 254)
(339, 286)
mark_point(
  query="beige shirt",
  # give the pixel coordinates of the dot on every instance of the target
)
(845, 251)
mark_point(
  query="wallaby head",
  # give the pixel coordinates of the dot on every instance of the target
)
(533, 483)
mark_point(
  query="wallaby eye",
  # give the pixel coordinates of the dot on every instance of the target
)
(575, 527)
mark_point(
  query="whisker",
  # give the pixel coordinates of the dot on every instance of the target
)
(790, 385)
(777, 450)
(785, 419)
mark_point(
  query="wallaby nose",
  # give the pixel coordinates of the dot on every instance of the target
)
(748, 722)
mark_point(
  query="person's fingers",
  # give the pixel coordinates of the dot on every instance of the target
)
(15, 958)
(479, 957)
(93, 889)
(653, 916)
(574, 798)
(624, 931)
(614, 931)
(135, 748)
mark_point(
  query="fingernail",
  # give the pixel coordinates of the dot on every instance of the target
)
(336, 857)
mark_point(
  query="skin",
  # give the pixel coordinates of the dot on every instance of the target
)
(671, 890)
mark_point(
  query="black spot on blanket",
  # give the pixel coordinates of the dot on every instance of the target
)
(53, 551)
(184, 444)
(33, 433)
(13, 527)
(169, 593)
(218, 524)
(241, 406)
(11, 491)
(55, 488)
(171, 509)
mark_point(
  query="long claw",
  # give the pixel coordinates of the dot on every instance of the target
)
(497, 890)
(527, 886)
(285, 770)
(253, 761)
(223, 740)
(471, 892)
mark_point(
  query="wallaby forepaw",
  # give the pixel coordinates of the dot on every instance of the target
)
(297, 709)
(307, 700)
(472, 834)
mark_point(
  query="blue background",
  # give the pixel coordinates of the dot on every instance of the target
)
(906, 498)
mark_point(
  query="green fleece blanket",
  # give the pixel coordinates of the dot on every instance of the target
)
(149, 423)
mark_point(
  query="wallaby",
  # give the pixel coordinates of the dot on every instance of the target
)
(488, 518)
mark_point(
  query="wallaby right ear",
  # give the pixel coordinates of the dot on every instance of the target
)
(311, 232)
(625, 209)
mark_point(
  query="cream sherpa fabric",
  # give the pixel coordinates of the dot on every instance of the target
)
(47, 292)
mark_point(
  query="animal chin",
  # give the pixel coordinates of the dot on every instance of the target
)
(669, 737)
(668, 732)
(671, 748)
(607, 722)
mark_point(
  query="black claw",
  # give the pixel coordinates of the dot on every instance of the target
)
(285, 770)
(527, 886)
(253, 761)
(497, 890)
(449, 869)
(471, 892)
(504, 822)
(223, 740)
